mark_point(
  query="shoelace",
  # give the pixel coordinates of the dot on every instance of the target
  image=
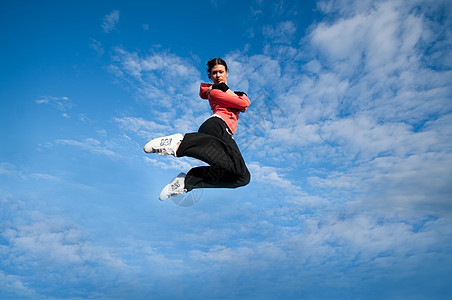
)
(165, 146)
(173, 189)
(175, 185)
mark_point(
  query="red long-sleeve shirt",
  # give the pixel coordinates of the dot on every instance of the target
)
(225, 105)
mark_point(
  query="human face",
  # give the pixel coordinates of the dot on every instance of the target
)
(219, 74)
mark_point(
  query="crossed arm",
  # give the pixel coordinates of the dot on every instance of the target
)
(222, 95)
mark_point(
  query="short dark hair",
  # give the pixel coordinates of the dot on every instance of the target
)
(213, 62)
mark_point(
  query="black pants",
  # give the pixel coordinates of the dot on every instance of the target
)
(214, 145)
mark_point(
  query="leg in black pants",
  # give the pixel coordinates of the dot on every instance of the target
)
(214, 145)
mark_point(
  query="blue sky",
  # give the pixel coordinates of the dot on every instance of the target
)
(348, 140)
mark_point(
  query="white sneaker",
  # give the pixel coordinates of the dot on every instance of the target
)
(175, 188)
(164, 145)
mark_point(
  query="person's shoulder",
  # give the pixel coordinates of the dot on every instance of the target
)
(203, 90)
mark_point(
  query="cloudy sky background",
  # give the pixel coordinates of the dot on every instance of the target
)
(348, 140)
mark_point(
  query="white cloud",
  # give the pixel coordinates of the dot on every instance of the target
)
(36, 243)
(360, 154)
(271, 176)
(325, 248)
(143, 128)
(255, 74)
(171, 163)
(157, 72)
(110, 21)
(168, 85)
(283, 33)
(61, 103)
(168, 64)
(362, 146)
(36, 240)
(7, 168)
(97, 47)
(365, 101)
(389, 93)
(90, 144)
(348, 105)
(14, 285)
